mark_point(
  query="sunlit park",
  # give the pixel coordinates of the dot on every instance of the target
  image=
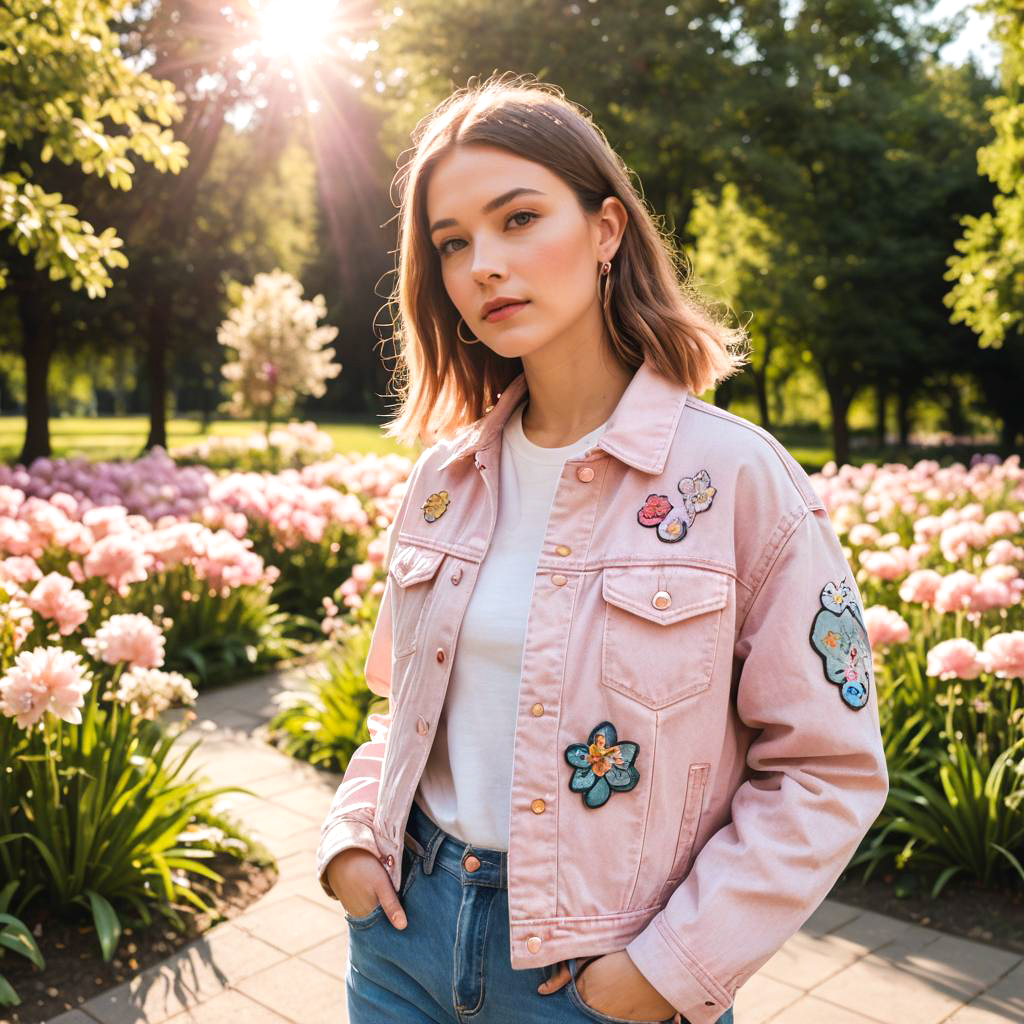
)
(201, 339)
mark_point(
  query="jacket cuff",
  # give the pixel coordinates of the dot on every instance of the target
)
(669, 966)
(343, 834)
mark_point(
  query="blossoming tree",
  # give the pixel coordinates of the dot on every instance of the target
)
(279, 347)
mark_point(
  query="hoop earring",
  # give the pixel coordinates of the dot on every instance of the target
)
(606, 271)
(606, 309)
(458, 333)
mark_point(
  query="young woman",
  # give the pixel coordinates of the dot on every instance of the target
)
(632, 723)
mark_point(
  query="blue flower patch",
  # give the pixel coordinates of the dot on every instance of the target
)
(839, 637)
(602, 764)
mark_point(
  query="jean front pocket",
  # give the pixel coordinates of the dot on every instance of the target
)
(594, 1014)
(661, 630)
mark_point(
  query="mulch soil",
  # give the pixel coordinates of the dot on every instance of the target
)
(992, 916)
(75, 971)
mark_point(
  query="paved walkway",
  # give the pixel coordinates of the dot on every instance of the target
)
(283, 959)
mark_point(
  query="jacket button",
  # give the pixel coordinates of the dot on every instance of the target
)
(563, 550)
(421, 726)
(661, 600)
(388, 860)
(537, 710)
(457, 576)
(559, 580)
(440, 654)
(585, 474)
(707, 1002)
(471, 863)
(537, 806)
(533, 943)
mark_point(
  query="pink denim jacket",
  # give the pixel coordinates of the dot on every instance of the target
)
(697, 751)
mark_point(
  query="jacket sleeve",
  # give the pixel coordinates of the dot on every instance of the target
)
(817, 778)
(350, 818)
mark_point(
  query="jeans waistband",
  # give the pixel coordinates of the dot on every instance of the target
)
(436, 846)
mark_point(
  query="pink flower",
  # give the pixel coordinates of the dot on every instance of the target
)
(131, 638)
(1003, 655)
(883, 565)
(955, 591)
(920, 587)
(863, 534)
(48, 678)
(956, 541)
(1004, 552)
(1002, 523)
(954, 659)
(885, 626)
(119, 559)
(992, 593)
(55, 597)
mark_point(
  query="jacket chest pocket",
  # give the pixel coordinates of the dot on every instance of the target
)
(412, 571)
(661, 626)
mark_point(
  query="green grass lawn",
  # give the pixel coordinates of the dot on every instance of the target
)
(122, 437)
(114, 437)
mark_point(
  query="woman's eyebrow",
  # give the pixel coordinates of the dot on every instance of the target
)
(492, 204)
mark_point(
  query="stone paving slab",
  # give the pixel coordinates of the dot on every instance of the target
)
(283, 960)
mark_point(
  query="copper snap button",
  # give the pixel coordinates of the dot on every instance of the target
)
(471, 863)
(563, 550)
(537, 710)
(440, 654)
(585, 474)
(533, 943)
(661, 600)
(421, 726)
(537, 806)
(457, 576)
(559, 580)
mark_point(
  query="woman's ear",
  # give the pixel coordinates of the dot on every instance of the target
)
(610, 223)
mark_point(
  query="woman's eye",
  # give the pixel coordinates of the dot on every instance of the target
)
(444, 248)
(523, 213)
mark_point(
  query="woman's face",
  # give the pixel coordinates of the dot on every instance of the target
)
(505, 227)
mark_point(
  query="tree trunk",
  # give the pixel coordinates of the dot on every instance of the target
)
(723, 394)
(37, 348)
(839, 402)
(903, 397)
(881, 408)
(761, 390)
(156, 370)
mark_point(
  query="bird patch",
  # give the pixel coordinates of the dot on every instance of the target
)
(841, 641)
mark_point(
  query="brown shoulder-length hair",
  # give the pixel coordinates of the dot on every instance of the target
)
(653, 311)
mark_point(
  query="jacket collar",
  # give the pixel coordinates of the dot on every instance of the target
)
(640, 430)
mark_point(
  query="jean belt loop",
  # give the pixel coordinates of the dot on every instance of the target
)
(433, 845)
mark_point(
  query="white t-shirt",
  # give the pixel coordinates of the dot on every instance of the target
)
(467, 782)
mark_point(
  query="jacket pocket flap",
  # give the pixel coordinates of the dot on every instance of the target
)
(680, 591)
(411, 564)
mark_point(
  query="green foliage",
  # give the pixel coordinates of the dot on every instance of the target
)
(99, 817)
(326, 722)
(15, 936)
(68, 93)
(988, 275)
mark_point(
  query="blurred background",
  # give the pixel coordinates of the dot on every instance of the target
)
(844, 175)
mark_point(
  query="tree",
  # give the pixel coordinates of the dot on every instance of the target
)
(988, 275)
(67, 92)
(279, 346)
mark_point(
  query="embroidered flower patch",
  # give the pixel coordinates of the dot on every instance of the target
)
(657, 510)
(839, 637)
(602, 764)
(435, 505)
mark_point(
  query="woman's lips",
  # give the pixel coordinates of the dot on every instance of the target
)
(505, 311)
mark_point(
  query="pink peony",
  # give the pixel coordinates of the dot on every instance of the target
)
(956, 541)
(954, 659)
(1004, 552)
(885, 626)
(54, 597)
(955, 591)
(119, 559)
(920, 587)
(863, 534)
(1003, 655)
(131, 638)
(48, 678)
(1002, 523)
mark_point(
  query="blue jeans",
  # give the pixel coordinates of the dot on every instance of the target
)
(451, 964)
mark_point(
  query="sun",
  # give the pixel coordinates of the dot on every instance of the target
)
(295, 29)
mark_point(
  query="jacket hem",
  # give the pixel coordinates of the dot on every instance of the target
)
(342, 834)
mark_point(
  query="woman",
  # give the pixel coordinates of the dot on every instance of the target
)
(632, 724)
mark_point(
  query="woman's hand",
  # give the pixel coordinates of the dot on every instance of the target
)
(612, 985)
(360, 882)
